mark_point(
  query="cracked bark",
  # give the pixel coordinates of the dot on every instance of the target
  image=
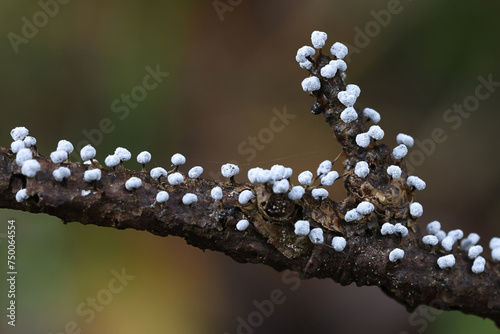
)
(414, 280)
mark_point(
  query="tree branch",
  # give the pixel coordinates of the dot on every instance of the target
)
(270, 239)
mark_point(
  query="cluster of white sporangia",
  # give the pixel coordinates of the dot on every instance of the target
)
(278, 176)
(348, 98)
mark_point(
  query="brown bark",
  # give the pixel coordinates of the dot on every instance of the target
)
(414, 280)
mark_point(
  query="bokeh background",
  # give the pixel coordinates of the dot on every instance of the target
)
(228, 69)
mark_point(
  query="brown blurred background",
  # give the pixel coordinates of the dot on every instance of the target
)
(228, 69)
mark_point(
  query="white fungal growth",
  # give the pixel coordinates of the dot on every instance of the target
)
(471, 240)
(328, 71)
(296, 193)
(440, 235)
(329, 178)
(474, 238)
(448, 243)
(339, 50)
(394, 171)
(189, 199)
(495, 254)
(352, 215)
(144, 157)
(474, 251)
(446, 261)
(430, 240)
(415, 181)
(178, 159)
(303, 53)
(478, 265)
(353, 90)
(162, 196)
(494, 243)
(396, 254)
(229, 170)
(311, 84)
(30, 168)
(318, 39)
(434, 227)
(281, 187)
(339, 64)
(264, 176)
(339, 243)
(401, 229)
(23, 155)
(92, 175)
(195, 172)
(365, 208)
(16, 146)
(363, 139)
(85, 192)
(288, 173)
(305, 177)
(361, 169)
(61, 173)
(376, 132)
(123, 154)
(216, 193)
(372, 115)
(158, 172)
(306, 64)
(245, 196)
(112, 160)
(21, 195)
(324, 168)
(252, 174)
(346, 99)
(64, 145)
(348, 115)
(387, 228)
(319, 193)
(175, 178)
(242, 225)
(405, 140)
(133, 183)
(316, 236)
(279, 172)
(19, 133)
(58, 156)
(456, 234)
(399, 152)
(29, 141)
(87, 152)
(302, 227)
(416, 209)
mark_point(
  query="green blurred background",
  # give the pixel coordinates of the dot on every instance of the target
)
(227, 72)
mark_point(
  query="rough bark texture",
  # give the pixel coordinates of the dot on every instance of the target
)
(207, 224)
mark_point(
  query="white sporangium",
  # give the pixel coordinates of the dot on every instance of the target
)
(87, 152)
(319, 193)
(30, 168)
(175, 178)
(311, 84)
(133, 183)
(92, 175)
(61, 173)
(245, 196)
(396, 254)
(195, 172)
(316, 236)
(189, 199)
(362, 169)
(318, 39)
